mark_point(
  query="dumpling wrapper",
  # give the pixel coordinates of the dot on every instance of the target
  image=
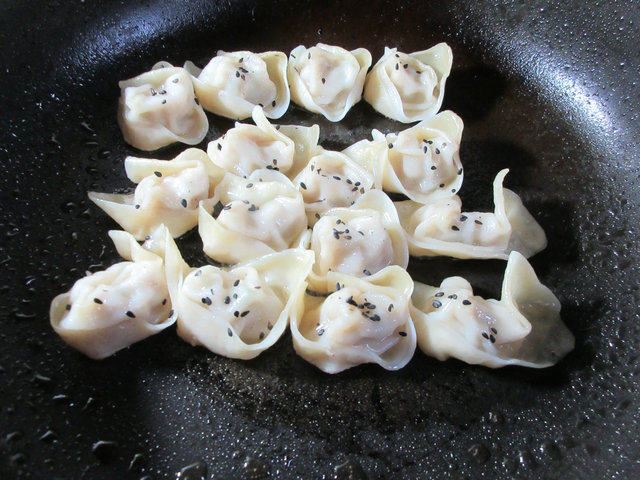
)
(409, 87)
(366, 320)
(423, 161)
(360, 240)
(168, 192)
(440, 228)
(523, 328)
(326, 79)
(246, 148)
(331, 179)
(237, 312)
(233, 83)
(109, 310)
(259, 215)
(159, 108)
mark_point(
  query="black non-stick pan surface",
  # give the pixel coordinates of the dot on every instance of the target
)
(548, 89)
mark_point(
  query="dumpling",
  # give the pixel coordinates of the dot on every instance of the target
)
(523, 328)
(370, 155)
(424, 161)
(246, 148)
(331, 179)
(365, 320)
(326, 79)
(409, 87)
(439, 227)
(109, 310)
(159, 108)
(237, 312)
(168, 193)
(233, 83)
(360, 240)
(261, 214)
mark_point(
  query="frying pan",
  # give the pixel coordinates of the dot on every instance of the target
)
(548, 89)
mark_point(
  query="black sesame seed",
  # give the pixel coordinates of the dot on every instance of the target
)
(219, 146)
(261, 335)
(130, 314)
(324, 80)
(68, 307)
(453, 190)
(351, 301)
(337, 286)
(164, 302)
(235, 295)
(317, 215)
(198, 273)
(437, 304)
(320, 332)
(360, 232)
(303, 185)
(184, 202)
(206, 300)
(237, 74)
(137, 206)
(442, 185)
(249, 185)
(460, 171)
(243, 70)
(236, 283)
(245, 313)
(485, 335)
(397, 66)
(402, 334)
(478, 222)
(454, 228)
(494, 330)
(391, 145)
(229, 332)
(170, 313)
(157, 174)
(463, 218)
(336, 177)
(243, 77)
(227, 299)
(390, 307)
(357, 184)
(253, 208)
(366, 272)
(241, 59)
(374, 318)
(273, 104)
(492, 338)
(227, 207)
(466, 302)
(433, 167)
(98, 301)
(453, 296)
(164, 101)
(405, 65)
(439, 294)
(197, 100)
(236, 313)
(269, 326)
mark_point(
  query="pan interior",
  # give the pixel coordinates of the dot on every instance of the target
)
(545, 90)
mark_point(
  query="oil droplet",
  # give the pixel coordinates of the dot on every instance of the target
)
(195, 471)
(254, 469)
(48, 436)
(350, 470)
(479, 452)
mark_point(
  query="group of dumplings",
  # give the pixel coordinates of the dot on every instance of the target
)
(166, 104)
(307, 238)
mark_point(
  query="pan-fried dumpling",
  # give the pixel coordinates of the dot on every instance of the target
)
(370, 155)
(258, 215)
(409, 87)
(366, 320)
(233, 83)
(523, 328)
(424, 161)
(360, 240)
(246, 148)
(159, 108)
(237, 312)
(326, 79)
(331, 179)
(109, 310)
(440, 228)
(168, 193)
